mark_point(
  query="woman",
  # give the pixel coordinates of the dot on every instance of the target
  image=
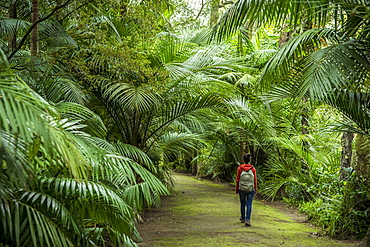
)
(246, 194)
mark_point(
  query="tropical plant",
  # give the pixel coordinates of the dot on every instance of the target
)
(326, 60)
(300, 67)
(61, 186)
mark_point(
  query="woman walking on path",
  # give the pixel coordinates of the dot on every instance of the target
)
(246, 187)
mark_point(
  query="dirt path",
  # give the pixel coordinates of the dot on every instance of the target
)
(202, 213)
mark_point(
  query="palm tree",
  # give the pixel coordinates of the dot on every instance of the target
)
(300, 68)
(61, 186)
(143, 98)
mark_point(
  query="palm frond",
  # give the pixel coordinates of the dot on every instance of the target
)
(285, 177)
(135, 154)
(295, 144)
(30, 108)
(131, 97)
(92, 192)
(174, 47)
(23, 110)
(355, 106)
(174, 144)
(37, 219)
(59, 89)
(15, 166)
(184, 107)
(10, 26)
(357, 24)
(346, 65)
(286, 58)
(76, 112)
(124, 172)
(55, 34)
(4, 63)
(252, 13)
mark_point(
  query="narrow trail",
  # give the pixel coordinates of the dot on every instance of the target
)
(202, 213)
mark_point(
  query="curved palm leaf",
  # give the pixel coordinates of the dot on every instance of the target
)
(30, 219)
(122, 173)
(286, 174)
(58, 89)
(174, 144)
(278, 12)
(54, 33)
(183, 107)
(301, 66)
(287, 57)
(22, 110)
(135, 154)
(131, 97)
(355, 106)
(77, 112)
(11, 26)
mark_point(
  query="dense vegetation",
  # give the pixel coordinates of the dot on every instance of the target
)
(100, 101)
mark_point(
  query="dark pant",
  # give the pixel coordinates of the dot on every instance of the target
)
(246, 203)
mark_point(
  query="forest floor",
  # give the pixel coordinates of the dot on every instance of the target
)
(203, 213)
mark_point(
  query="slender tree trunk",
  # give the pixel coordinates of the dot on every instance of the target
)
(13, 36)
(362, 156)
(284, 37)
(307, 25)
(241, 150)
(194, 165)
(305, 124)
(215, 15)
(345, 161)
(34, 33)
(304, 118)
(260, 158)
(361, 161)
(57, 14)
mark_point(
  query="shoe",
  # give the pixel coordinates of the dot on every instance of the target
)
(247, 223)
(241, 220)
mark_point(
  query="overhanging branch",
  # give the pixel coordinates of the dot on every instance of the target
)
(21, 43)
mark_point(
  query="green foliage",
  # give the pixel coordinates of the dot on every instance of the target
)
(324, 60)
(341, 211)
(91, 127)
(214, 167)
(58, 186)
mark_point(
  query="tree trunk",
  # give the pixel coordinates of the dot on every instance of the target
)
(307, 25)
(34, 33)
(346, 157)
(194, 168)
(215, 15)
(241, 151)
(284, 37)
(362, 156)
(194, 164)
(260, 158)
(361, 161)
(305, 124)
(57, 14)
(13, 36)
(304, 118)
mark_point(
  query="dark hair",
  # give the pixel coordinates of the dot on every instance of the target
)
(247, 158)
